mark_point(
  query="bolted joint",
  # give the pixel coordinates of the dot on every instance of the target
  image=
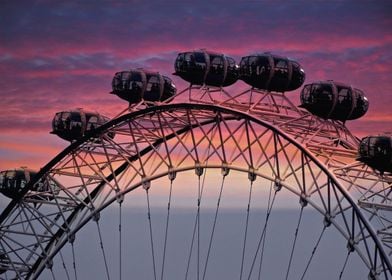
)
(96, 216)
(327, 220)
(172, 174)
(146, 184)
(372, 274)
(71, 238)
(277, 184)
(119, 197)
(225, 170)
(303, 201)
(48, 263)
(251, 174)
(198, 170)
(350, 245)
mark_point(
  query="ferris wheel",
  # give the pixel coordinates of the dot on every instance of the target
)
(216, 184)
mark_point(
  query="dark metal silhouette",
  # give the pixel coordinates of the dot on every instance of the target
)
(271, 72)
(204, 67)
(376, 151)
(74, 124)
(4, 260)
(263, 135)
(332, 100)
(137, 85)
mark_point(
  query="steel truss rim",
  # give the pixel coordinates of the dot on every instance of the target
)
(162, 108)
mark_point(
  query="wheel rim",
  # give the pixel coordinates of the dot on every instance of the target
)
(190, 132)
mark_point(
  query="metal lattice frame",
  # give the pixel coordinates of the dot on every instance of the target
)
(162, 141)
(330, 141)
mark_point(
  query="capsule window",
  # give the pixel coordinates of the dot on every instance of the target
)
(137, 82)
(10, 179)
(253, 65)
(295, 66)
(322, 92)
(125, 77)
(244, 66)
(75, 121)
(65, 122)
(199, 57)
(361, 100)
(168, 84)
(189, 61)
(372, 144)
(180, 62)
(363, 147)
(167, 81)
(306, 94)
(217, 64)
(117, 82)
(57, 122)
(382, 147)
(92, 123)
(231, 62)
(22, 183)
(281, 66)
(200, 61)
(188, 57)
(344, 96)
(244, 61)
(153, 84)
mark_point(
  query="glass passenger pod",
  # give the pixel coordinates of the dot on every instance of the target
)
(271, 72)
(129, 85)
(332, 100)
(169, 88)
(137, 85)
(154, 87)
(376, 151)
(12, 182)
(209, 68)
(72, 125)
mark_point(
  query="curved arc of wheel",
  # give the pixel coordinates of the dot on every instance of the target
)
(95, 192)
(346, 195)
(241, 115)
(41, 265)
(70, 149)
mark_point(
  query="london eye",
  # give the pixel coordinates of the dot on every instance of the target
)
(271, 190)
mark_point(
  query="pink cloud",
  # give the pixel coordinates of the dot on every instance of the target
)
(57, 59)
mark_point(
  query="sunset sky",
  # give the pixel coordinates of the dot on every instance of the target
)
(59, 55)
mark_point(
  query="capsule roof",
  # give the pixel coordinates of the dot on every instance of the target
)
(136, 85)
(334, 100)
(376, 151)
(74, 124)
(12, 182)
(206, 68)
(271, 72)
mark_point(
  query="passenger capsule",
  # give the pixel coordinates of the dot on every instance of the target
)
(12, 182)
(376, 151)
(271, 72)
(332, 100)
(74, 124)
(137, 85)
(209, 68)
